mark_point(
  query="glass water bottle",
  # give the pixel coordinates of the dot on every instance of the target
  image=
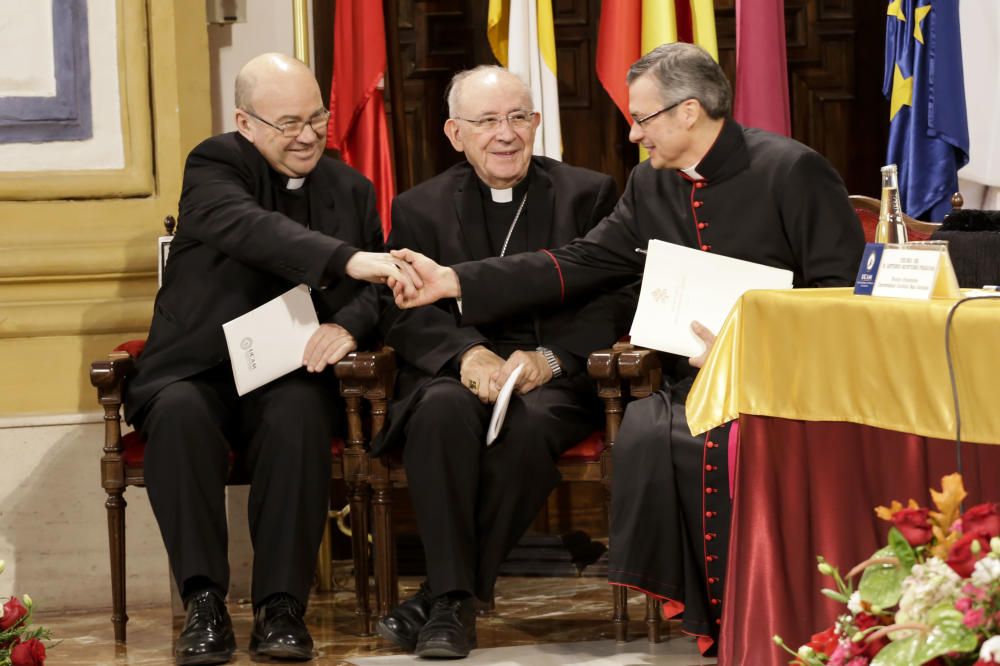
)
(890, 228)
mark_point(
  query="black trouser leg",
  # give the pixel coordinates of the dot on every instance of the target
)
(445, 436)
(186, 466)
(519, 471)
(287, 426)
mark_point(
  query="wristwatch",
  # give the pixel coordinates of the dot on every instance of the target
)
(553, 362)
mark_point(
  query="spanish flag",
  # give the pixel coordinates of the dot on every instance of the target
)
(632, 28)
(522, 37)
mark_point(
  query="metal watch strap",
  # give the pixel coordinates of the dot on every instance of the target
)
(553, 362)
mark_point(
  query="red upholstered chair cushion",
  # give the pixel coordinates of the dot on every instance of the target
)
(589, 450)
(135, 449)
(132, 347)
(869, 220)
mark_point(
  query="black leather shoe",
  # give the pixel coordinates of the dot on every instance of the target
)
(207, 636)
(450, 631)
(403, 623)
(279, 631)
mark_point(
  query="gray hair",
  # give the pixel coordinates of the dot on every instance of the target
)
(245, 83)
(454, 92)
(686, 71)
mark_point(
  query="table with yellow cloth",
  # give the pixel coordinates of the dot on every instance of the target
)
(844, 403)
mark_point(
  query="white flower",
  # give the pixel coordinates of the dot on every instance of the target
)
(854, 603)
(805, 652)
(990, 652)
(927, 585)
(987, 571)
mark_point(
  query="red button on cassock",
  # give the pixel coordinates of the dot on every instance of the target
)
(711, 445)
(716, 602)
(697, 204)
(702, 225)
(706, 248)
(711, 468)
(700, 184)
(709, 491)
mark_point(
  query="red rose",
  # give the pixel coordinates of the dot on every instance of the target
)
(914, 525)
(13, 611)
(982, 518)
(824, 642)
(29, 653)
(961, 558)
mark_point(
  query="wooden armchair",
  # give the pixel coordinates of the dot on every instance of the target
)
(370, 377)
(122, 466)
(867, 210)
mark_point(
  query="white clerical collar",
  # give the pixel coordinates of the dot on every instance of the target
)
(502, 196)
(295, 183)
(692, 174)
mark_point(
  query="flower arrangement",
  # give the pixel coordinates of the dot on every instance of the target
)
(20, 644)
(931, 596)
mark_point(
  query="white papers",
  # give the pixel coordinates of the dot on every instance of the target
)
(500, 407)
(269, 341)
(681, 285)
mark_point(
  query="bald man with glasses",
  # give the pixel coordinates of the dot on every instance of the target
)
(261, 211)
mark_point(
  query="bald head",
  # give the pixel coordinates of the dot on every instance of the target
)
(260, 75)
(472, 81)
(280, 111)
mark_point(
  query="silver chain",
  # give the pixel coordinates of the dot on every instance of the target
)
(510, 231)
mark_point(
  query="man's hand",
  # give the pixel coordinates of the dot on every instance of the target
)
(380, 267)
(433, 282)
(535, 373)
(328, 344)
(479, 364)
(708, 338)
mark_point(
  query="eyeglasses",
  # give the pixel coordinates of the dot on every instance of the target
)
(293, 128)
(645, 119)
(518, 120)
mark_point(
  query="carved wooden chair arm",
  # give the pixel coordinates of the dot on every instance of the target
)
(642, 369)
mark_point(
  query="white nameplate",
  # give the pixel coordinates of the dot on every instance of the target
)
(916, 271)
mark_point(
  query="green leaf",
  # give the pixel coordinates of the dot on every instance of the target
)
(900, 653)
(948, 634)
(882, 584)
(902, 549)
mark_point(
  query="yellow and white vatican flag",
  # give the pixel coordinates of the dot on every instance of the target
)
(522, 36)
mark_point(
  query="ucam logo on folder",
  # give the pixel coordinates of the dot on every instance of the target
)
(268, 342)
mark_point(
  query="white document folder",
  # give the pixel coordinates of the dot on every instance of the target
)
(500, 406)
(268, 342)
(681, 285)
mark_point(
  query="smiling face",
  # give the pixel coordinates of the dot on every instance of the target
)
(667, 135)
(500, 156)
(283, 91)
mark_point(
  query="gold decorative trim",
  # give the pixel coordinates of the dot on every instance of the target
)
(136, 178)
(300, 26)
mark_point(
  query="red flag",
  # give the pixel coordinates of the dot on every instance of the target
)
(358, 127)
(618, 44)
(761, 98)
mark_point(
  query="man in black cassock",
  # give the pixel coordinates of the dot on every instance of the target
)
(473, 503)
(261, 211)
(708, 184)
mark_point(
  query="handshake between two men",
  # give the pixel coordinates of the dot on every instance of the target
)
(417, 280)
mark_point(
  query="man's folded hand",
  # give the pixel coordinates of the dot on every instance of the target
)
(479, 364)
(328, 344)
(535, 373)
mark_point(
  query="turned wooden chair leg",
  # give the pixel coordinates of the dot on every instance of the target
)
(359, 494)
(386, 578)
(653, 619)
(619, 595)
(116, 541)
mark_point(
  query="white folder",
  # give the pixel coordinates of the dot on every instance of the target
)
(681, 285)
(269, 341)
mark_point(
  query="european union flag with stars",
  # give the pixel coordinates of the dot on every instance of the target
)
(928, 131)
